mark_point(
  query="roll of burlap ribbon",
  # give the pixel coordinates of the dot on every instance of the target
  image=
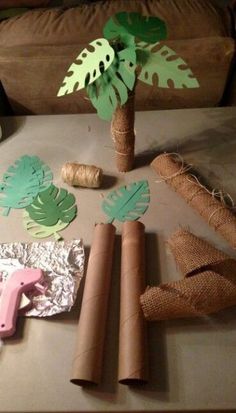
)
(76, 174)
(212, 209)
(209, 284)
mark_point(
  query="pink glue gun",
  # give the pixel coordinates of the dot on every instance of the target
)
(11, 292)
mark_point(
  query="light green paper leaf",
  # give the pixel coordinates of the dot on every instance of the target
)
(111, 89)
(22, 182)
(166, 64)
(53, 205)
(41, 231)
(123, 25)
(88, 66)
(127, 203)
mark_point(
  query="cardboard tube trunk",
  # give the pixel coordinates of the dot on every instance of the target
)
(132, 335)
(87, 362)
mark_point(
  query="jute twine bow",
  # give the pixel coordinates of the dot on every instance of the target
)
(76, 174)
(209, 204)
(209, 283)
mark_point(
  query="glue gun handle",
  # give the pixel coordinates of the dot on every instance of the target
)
(19, 282)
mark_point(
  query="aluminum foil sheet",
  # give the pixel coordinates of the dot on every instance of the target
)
(63, 266)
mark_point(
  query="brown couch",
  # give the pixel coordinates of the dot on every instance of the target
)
(37, 48)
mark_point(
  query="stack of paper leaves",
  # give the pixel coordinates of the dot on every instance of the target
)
(28, 184)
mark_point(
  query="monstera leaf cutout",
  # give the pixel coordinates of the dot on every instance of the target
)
(41, 231)
(22, 182)
(149, 29)
(111, 89)
(88, 66)
(127, 203)
(168, 67)
(43, 171)
(52, 206)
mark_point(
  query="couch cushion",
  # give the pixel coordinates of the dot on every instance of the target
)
(41, 69)
(5, 4)
(186, 19)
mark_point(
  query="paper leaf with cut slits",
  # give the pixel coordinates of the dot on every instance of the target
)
(112, 87)
(127, 203)
(169, 68)
(41, 231)
(88, 66)
(43, 171)
(149, 29)
(22, 182)
(53, 205)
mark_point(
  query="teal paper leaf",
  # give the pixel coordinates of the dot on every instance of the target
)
(111, 89)
(22, 182)
(53, 205)
(167, 66)
(123, 25)
(88, 66)
(41, 231)
(43, 171)
(127, 203)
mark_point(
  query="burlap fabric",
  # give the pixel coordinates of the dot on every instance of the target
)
(209, 284)
(122, 130)
(215, 213)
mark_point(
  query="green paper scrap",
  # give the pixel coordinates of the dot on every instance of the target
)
(111, 89)
(88, 66)
(22, 182)
(53, 205)
(168, 67)
(127, 203)
(146, 28)
(41, 231)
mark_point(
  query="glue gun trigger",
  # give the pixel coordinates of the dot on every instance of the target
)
(40, 288)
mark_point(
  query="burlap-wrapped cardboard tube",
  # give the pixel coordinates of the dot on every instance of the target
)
(209, 284)
(87, 362)
(132, 335)
(122, 129)
(215, 213)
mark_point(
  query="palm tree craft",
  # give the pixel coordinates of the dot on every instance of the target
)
(110, 67)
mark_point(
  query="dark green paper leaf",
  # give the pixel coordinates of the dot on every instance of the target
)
(146, 28)
(127, 203)
(53, 205)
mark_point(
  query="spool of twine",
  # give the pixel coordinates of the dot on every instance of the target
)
(76, 174)
(122, 130)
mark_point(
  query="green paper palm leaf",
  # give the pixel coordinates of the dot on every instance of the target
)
(111, 89)
(53, 205)
(22, 182)
(124, 25)
(41, 231)
(168, 67)
(127, 203)
(88, 66)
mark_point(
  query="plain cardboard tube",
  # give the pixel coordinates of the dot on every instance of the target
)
(132, 334)
(87, 362)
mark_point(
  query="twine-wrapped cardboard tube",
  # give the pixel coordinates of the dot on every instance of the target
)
(209, 284)
(215, 213)
(87, 362)
(132, 334)
(122, 130)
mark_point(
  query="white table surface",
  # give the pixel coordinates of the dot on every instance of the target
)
(192, 362)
